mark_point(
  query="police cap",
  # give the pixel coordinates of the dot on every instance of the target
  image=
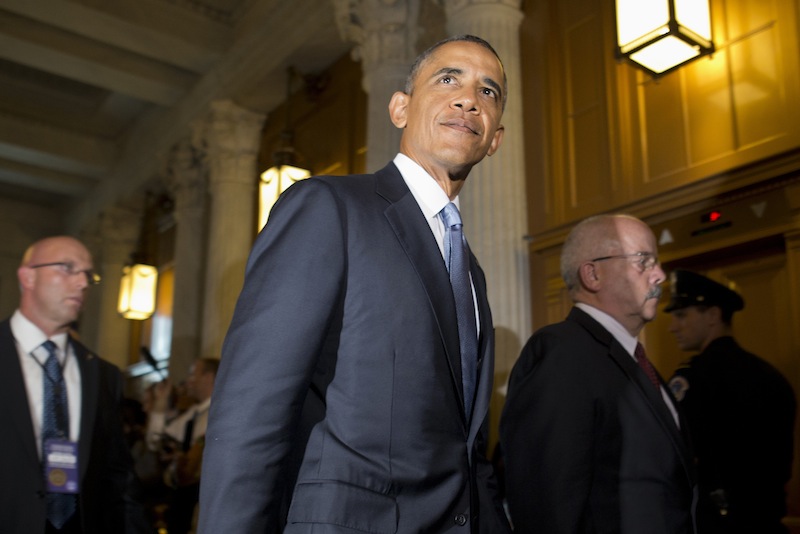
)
(688, 288)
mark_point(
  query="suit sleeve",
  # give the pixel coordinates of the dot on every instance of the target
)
(493, 515)
(547, 437)
(292, 287)
(118, 486)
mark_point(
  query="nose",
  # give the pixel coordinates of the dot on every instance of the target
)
(83, 279)
(658, 272)
(466, 102)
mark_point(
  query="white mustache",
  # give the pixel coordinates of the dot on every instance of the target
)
(654, 293)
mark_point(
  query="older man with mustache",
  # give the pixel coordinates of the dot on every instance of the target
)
(592, 437)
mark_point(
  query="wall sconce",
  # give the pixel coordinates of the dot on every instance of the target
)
(284, 172)
(278, 178)
(661, 35)
(137, 291)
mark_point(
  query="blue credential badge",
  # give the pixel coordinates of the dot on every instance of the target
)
(61, 465)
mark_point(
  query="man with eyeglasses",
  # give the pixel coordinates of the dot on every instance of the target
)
(65, 463)
(592, 437)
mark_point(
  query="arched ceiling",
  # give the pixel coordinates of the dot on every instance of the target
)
(91, 88)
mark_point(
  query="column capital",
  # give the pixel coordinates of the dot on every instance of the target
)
(453, 6)
(230, 128)
(385, 32)
(186, 173)
(120, 225)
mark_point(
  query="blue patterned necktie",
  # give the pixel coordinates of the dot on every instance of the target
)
(55, 425)
(456, 255)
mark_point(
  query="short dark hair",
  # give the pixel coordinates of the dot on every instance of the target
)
(423, 57)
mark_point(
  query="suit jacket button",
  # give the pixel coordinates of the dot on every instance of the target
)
(461, 520)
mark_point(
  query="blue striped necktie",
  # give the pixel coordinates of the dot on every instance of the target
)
(55, 425)
(457, 259)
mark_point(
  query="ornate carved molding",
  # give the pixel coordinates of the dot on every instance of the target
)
(232, 129)
(452, 6)
(385, 31)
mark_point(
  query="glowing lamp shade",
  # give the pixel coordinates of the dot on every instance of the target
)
(137, 292)
(661, 35)
(273, 182)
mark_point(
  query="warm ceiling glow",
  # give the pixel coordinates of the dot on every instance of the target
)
(660, 35)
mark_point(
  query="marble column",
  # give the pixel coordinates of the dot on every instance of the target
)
(232, 136)
(187, 181)
(114, 239)
(493, 199)
(385, 33)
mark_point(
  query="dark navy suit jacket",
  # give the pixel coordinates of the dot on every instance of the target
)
(338, 405)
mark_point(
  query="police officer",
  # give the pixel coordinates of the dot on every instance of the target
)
(740, 412)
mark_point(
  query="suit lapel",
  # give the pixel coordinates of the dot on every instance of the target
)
(13, 396)
(415, 237)
(485, 352)
(649, 394)
(87, 363)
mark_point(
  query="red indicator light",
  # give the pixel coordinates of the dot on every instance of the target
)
(711, 216)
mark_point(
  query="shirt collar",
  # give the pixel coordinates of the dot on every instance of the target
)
(619, 332)
(430, 197)
(29, 336)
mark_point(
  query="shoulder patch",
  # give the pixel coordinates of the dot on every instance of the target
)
(679, 386)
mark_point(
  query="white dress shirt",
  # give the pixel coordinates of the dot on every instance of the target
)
(32, 356)
(158, 426)
(431, 199)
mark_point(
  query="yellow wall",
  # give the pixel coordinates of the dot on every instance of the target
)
(721, 132)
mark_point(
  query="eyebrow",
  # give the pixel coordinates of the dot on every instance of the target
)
(447, 70)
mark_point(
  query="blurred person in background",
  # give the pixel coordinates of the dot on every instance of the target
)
(740, 412)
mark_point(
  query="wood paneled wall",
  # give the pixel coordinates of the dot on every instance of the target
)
(724, 131)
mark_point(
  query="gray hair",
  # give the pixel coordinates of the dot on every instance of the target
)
(590, 238)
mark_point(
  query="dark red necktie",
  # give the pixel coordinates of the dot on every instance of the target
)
(646, 366)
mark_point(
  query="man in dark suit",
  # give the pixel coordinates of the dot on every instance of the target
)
(740, 412)
(339, 405)
(43, 491)
(592, 438)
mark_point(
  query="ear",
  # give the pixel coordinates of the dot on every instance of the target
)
(496, 140)
(588, 276)
(398, 109)
(26, 276)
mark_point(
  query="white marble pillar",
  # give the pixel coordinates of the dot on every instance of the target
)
(187, 180)
(102, 329)
(232, 136)
(494, 200)
(385, 33)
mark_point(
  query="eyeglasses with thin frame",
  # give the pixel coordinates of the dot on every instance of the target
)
(645, 261)
(68, 268)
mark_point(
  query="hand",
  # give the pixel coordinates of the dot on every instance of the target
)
(161, 394)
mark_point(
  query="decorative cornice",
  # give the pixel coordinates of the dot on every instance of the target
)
(232, 129)
(385, 31)
(453, 6)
